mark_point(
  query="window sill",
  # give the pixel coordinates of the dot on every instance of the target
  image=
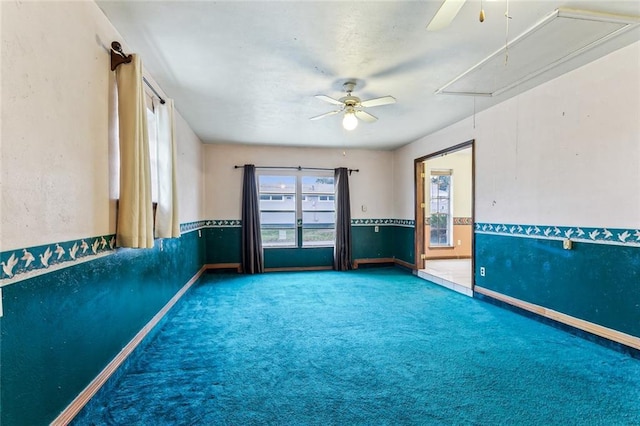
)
(441, 247)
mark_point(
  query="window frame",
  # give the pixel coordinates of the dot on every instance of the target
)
(300, 197)
(285, 226)
(448, 222)
(330, 198)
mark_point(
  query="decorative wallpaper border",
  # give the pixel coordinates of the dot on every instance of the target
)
(192, 226)
(456, 221)
(365, 222)
(22, 263)
(614, 236)
(16, 263)
(405, 222)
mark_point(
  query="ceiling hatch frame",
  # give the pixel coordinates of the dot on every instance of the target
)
(492, 71)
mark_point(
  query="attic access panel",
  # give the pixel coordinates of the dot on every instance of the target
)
(538, 50)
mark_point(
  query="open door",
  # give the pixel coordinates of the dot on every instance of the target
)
(420, 214)
(444, 217)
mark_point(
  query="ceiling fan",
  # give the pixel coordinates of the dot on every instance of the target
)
(447, 12)
(352, 107)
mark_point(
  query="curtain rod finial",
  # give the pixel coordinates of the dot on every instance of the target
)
(117, 56)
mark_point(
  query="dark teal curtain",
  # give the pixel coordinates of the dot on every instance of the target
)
(252, 256)
(342, 246)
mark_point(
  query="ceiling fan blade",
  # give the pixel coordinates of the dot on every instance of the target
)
(445, 14)
(365, 116)
(318, 117)
(328, 99)
(385, 100)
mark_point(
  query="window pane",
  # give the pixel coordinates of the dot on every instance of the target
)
(318, 219)
(279, 202)
(153, 154)
(277, 219)
(318, 202)
(318, 184)
(440, 208)
(272, 237)
(277, 184)
(317, 237)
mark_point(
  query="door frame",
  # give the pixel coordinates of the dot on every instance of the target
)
(420, 202)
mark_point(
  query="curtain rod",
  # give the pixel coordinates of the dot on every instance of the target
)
(153, 90)
(118, 58)
(299, 168)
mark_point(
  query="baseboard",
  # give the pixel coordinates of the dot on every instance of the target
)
(404, 264)
(358, 262)
(236, 266)
(72, 410)
(577, 323)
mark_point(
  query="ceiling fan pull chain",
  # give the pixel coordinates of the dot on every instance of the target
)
(506, 36)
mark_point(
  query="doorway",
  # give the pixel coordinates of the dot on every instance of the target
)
(444, 217)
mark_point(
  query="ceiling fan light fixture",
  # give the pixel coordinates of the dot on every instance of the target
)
(350, 121)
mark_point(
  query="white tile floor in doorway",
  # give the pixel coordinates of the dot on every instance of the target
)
(455, 274)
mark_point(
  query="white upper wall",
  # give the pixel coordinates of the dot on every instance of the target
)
(564, 153)
(370, 187)
(190, 173)
(58, 159)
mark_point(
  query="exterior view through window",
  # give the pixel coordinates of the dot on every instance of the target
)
(285, 199)
(440, 219)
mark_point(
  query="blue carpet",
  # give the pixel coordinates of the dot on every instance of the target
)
(376, 346)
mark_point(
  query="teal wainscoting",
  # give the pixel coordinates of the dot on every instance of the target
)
(61, 328)
(307, 257)
(595, 281)
(223, 244)
(369, 244)
(404, 243)
(394, 239)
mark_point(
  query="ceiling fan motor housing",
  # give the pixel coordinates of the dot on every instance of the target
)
(350, 101)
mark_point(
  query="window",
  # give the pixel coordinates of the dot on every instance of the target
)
(280, 210)
(277, 210)
(441, 219)
(318, 211)
(153, 158)
(153, 152)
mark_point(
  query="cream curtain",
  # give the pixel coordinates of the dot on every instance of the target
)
(167, 220)
(135, 210)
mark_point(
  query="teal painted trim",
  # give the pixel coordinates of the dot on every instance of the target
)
(594, 282)
(61, 328)
(599, 235)
(16, 263)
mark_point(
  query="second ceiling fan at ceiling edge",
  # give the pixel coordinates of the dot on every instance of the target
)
(352, 107)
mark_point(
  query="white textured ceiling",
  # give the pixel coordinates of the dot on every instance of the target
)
(247, 72)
